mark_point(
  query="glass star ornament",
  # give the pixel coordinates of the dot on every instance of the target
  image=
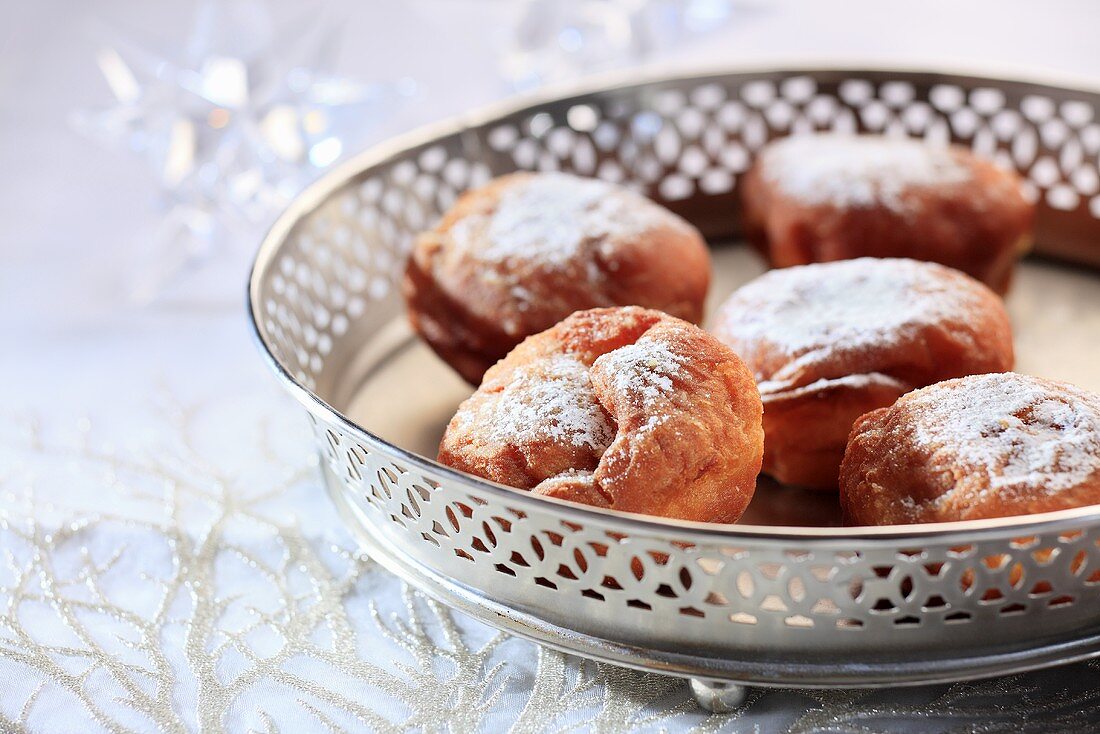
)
(558, 40)
(237, 123)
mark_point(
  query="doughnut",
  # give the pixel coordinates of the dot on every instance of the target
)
(975, 447)
(831, 196)
(518, 255)
(624, 408)
(831, 341)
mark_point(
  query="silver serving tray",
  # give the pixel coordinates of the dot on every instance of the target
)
(776, 599)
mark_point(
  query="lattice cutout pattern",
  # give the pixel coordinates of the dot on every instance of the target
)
(821, 587)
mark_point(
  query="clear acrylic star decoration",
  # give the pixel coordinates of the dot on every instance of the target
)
(235, 125)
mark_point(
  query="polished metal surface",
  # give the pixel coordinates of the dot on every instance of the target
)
(718, 697)
(774, 605)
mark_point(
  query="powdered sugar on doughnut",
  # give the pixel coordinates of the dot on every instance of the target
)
(847, 305)
(553, 399)
(644, 370)
(550, 400)
(857, 170)
(1015, 429)
(549, 218)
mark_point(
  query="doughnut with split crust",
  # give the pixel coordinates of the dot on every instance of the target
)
(831, 341)
(518, 255)
(818, 198)
(625, 408)
(976, 447)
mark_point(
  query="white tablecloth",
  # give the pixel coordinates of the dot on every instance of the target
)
(168, 559)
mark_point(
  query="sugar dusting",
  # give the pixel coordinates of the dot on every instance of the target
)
(849, 304)
(857, 170)
(644, 370)
(549, 400)
(552, 400)
(550, 217)
(1014, 429)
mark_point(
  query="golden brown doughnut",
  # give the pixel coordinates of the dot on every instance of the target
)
(830, 196)
(625, 408)
(831, 341)
(976, 447)
(516, 256)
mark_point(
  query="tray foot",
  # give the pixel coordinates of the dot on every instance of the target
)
(718, 697)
